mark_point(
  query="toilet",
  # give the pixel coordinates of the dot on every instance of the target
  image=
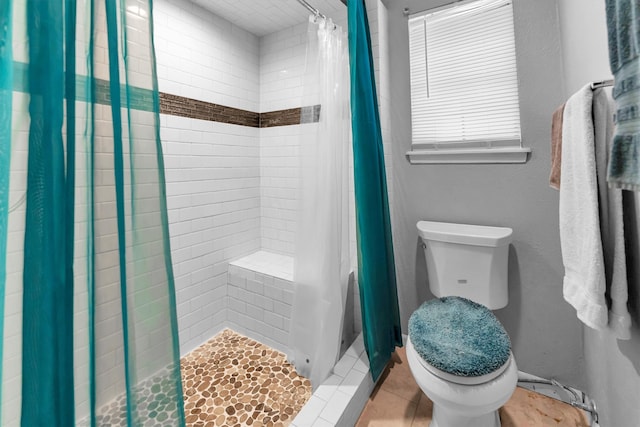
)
(458, 352)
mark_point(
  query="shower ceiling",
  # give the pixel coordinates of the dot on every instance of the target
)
(262, 17)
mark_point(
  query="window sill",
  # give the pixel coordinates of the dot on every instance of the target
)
(475, 155)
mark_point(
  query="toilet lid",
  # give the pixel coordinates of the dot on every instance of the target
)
(460, 337)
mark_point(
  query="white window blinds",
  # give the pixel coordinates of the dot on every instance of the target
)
(464, 86)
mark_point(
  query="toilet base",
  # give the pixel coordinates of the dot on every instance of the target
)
(443, 418)
(459, 405)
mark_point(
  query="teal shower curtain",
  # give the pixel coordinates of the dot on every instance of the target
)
(87, 301)
(376, 268)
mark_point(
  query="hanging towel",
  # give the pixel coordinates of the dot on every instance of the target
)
(611, 218)
(584, 280)
(556, 147)
(624, 41)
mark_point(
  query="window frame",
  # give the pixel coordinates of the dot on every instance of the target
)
(470, 151)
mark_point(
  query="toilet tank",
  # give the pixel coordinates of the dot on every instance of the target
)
(469, 261)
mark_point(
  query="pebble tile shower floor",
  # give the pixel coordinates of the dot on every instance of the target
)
(234, 381)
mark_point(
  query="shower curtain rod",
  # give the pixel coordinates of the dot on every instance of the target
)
(312, 9)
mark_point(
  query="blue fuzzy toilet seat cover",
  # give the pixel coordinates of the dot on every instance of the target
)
(459, 336)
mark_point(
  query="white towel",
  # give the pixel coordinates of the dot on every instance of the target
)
(611, 217)
(584, 280)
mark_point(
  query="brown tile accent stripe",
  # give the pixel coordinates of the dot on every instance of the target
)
(192, 108)
(280, 118)
(293, 116)
(176, 105)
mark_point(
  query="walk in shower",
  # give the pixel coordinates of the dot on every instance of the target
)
(231, 79)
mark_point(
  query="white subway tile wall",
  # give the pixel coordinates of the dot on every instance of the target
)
(205, 57)
(213, 197)
(278, 189)
(212, 169)
(282, 63)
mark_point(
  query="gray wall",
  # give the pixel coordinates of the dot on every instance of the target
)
(612, 367)
(546, 336)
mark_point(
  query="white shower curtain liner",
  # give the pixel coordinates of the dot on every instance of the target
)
(322, 264)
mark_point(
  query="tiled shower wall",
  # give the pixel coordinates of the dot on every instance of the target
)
(212, 168)
(213, 189)
(231, 188)
(282, 58)
(282, 61)
(278, 192)
(205, 57)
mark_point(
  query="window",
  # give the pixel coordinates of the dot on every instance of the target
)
(464, 85)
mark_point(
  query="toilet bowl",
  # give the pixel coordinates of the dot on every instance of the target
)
(458, 352)
(463, 405)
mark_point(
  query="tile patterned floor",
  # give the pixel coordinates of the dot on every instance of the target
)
(234, 381)
(155, 407)
(397, 401)
(230, 381)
